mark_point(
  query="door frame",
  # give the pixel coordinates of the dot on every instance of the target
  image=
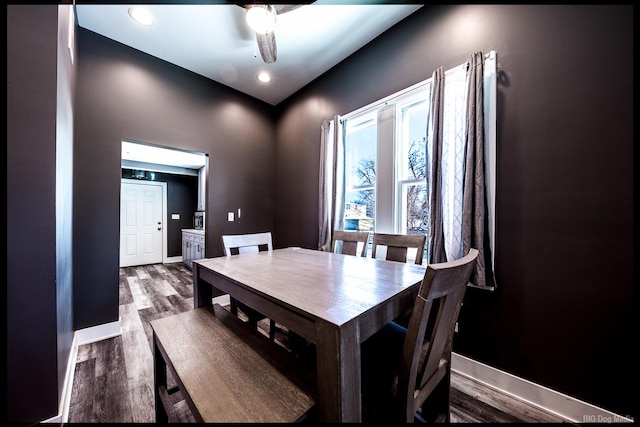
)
(164, 212)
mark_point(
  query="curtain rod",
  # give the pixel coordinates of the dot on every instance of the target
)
(383, 101)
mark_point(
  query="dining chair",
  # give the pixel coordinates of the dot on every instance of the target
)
(348, 241)
(406, 372)
(237, 244)
(397, 246)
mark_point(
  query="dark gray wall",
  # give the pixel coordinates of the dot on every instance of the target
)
(40, 92)
(124, 94)
(562, 313)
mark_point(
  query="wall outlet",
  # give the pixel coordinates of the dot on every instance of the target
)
(230, 217)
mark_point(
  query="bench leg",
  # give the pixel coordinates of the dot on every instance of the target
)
(272, 330)
(233, 307)
(159, 382)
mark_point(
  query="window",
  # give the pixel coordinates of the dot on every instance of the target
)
(385, 159)
(385, 166)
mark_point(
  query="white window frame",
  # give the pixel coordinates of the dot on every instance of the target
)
(388, 189)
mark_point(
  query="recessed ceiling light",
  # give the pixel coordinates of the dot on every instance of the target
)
(264, 77)
(140, 15)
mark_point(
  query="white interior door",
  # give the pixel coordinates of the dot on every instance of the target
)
(141, 223)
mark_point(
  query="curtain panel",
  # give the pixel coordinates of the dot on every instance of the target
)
(475, 223)
(469, 221)
(331, 182)
(435, 238)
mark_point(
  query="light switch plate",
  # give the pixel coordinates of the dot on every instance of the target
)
(230, 216)
(175, 216)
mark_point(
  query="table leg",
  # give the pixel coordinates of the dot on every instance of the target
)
(338, 371)
(202, 292)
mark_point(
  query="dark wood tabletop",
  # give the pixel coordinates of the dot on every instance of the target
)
(335, 301)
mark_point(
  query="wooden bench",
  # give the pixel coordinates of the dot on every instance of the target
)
(226, 371)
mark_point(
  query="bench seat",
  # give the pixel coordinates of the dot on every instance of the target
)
(226, 371)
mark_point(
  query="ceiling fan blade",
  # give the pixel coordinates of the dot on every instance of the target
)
(267, 46)
(282, 8)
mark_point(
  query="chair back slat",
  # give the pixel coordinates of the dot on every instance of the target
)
(397, 246)
(246, 243)
(350, 241)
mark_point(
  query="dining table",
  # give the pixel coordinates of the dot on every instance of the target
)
(332, 300)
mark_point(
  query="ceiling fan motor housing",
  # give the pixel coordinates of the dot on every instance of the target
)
(262, 19)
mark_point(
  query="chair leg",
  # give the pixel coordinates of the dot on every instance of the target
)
(437, 406)
(297, 344)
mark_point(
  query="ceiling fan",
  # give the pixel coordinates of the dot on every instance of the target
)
(262, 19)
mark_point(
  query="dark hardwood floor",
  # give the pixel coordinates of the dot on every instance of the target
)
(113, 379)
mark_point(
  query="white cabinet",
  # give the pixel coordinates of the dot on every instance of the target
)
(192, 246)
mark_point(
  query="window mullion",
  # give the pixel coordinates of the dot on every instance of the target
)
(385, 174)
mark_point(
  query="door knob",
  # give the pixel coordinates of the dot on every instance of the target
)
(159, 228)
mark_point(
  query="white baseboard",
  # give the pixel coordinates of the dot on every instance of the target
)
(81, 336)
(65, 399)
(98, 333)
(548, 400)
(172, 259)
(67, 387)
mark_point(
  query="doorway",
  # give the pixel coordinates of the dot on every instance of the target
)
(144, 163)
(142, 229)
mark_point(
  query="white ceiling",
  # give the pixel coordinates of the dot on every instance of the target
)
(214, 41)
